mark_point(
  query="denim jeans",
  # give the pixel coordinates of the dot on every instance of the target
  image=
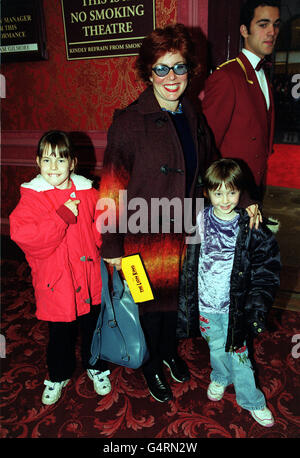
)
(230, 367)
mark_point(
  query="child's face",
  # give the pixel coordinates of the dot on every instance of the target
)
(224, 200)
(55, 169)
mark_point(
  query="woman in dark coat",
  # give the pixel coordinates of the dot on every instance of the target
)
(157, 148)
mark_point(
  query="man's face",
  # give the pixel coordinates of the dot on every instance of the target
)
(264, 29)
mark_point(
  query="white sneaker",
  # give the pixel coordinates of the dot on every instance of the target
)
(264, 417)
(53, 390)
(101, 381)
(215, 391)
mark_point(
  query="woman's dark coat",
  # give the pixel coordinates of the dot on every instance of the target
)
(144, 157)
(254, 280)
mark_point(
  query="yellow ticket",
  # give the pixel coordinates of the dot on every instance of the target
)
(137, 279)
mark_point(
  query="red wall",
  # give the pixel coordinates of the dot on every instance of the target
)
(72, 95)
(78, 96)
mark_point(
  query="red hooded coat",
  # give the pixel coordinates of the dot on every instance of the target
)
(62, 251)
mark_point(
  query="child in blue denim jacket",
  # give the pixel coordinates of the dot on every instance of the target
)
(238, 274)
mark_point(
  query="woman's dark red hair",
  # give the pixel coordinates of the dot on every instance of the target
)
(172, 38)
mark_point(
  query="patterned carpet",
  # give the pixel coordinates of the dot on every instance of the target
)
(129, 411)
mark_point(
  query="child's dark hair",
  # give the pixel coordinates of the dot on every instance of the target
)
(59, 139)
(226, 171)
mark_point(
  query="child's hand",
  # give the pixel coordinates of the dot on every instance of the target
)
(72, 205)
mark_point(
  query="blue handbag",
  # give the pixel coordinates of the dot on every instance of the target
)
(118, 336)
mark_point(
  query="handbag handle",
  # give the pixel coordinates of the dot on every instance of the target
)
(118, 289)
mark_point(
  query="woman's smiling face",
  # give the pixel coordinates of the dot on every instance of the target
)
(169, 88)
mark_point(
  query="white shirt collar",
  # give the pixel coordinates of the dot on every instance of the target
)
(253, 58)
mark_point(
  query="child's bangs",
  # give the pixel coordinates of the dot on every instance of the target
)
(225, 171)
(56, 142)
(59, 148)
(215, 183)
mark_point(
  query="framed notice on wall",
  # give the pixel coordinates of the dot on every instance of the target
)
(23, 35)
(106, 28)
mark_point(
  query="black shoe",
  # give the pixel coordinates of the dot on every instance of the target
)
(178, 368)
(158, 387)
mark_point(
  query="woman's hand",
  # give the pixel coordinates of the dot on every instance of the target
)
(114, 262)
(255, 215)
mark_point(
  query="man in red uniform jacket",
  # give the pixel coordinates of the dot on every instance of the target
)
(238, 102)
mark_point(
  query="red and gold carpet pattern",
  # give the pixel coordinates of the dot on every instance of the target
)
(129, 411)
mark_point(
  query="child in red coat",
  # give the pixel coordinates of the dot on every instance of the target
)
(54, 224)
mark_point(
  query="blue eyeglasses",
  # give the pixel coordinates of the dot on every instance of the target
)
(163, 70)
